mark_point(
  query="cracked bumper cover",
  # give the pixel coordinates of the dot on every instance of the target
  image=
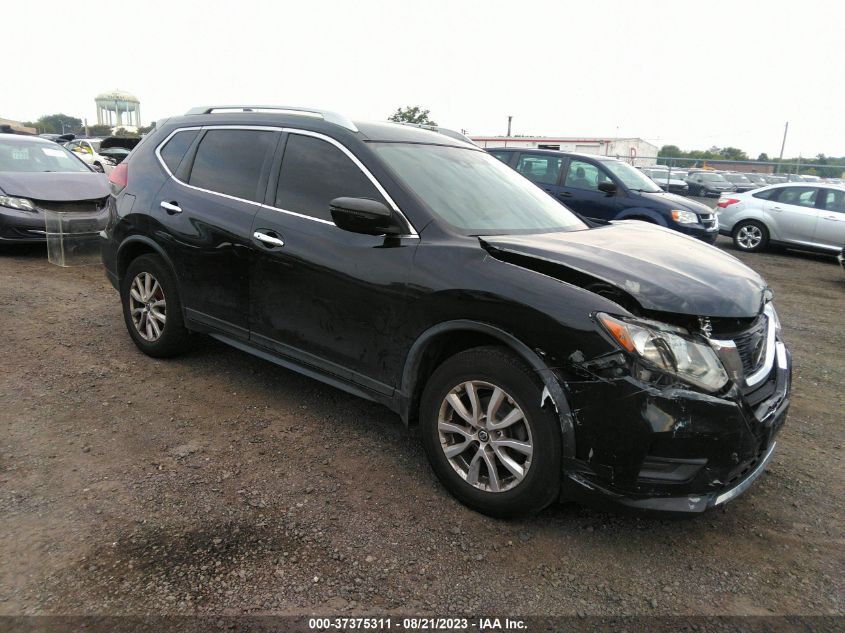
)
(732, 437)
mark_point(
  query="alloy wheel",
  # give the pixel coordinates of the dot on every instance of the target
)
(148, 306)
(749, 236)
(485, 436)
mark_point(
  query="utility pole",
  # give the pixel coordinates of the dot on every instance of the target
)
(509, 126)
(783, 144)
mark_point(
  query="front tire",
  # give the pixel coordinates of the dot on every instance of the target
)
(750, 236)
(152, 310)
(487, 436)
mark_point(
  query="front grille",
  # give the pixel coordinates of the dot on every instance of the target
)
(78, 206)
(751, 345)
(708, 220)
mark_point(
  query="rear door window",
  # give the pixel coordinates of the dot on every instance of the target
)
(232, 162)
(799, 196)
(174, 150)
(834, 201)
(540, 168)
(314, 172)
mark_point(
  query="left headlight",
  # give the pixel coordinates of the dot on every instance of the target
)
(668, 349)
(21, 204)
(684, 217)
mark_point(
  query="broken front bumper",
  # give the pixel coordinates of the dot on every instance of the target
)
(674, 450)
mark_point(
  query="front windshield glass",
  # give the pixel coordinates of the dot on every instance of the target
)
(630, 177)
(474, 191)
(713, 177)
(736, 178)
(28, 156)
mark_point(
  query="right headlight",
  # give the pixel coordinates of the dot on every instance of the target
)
(684, 217)
(668, 349)
(21, 204)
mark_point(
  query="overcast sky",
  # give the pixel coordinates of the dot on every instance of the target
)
(689, 73)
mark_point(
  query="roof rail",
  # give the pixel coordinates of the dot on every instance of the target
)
(326, 115)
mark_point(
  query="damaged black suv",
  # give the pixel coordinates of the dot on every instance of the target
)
(541, 357)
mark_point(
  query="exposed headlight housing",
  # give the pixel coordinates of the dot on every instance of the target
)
(684, 217)
(21, 204)
(668, 349)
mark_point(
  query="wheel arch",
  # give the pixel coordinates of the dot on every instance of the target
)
(763, 219)
(136, 245)
(445, 339)
(640, 213)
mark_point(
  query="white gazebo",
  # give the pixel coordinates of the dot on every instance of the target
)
(118, 109)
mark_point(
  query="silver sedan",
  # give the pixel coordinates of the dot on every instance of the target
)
(801, 215)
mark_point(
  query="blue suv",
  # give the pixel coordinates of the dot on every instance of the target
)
(602, 189)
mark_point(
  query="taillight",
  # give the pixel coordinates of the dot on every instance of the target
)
(724, 203)
(118, 178)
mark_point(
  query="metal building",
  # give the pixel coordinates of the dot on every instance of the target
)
(118, 109)
(632, 149)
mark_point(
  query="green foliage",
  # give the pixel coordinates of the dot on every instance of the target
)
(56, 124)
(412, 114)
(146, 129)
(763, 157)
(99, 130)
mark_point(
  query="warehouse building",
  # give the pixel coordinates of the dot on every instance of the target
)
(632, 149)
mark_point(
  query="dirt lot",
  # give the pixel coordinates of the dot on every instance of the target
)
(220, 483)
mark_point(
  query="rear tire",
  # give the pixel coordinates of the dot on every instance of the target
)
(750, 236)
(152, 309)
(510, 463)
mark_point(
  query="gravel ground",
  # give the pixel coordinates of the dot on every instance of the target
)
(219, 483)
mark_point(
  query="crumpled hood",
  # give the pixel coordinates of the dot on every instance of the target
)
(55, 186)
(662, 269)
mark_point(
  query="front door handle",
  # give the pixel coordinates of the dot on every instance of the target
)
(171, 207)
(776, 209)
(831, 217)
(269, 240)
(565, 194)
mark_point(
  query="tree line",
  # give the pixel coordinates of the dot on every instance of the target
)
(832, 167)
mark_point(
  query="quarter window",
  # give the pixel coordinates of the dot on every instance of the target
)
(315, 172)
(231, 162)
(539, 168)
(174, 150)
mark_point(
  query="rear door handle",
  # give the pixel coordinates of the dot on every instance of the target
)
(269, 240)
(776, 209)
(171, 207)
(831, 217)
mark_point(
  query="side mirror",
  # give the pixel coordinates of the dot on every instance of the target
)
(362, 215)
(608, 187)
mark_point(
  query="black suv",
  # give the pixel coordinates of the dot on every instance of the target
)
(540, 357)
(602, 189)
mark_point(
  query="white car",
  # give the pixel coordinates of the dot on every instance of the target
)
(102, 153)
(801, 215)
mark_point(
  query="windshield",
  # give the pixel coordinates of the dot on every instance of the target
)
(474, 191)
(736, 178)
(630, 177)
(29, 156)
(713, 177)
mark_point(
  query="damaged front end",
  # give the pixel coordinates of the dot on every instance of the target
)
(682, 416)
